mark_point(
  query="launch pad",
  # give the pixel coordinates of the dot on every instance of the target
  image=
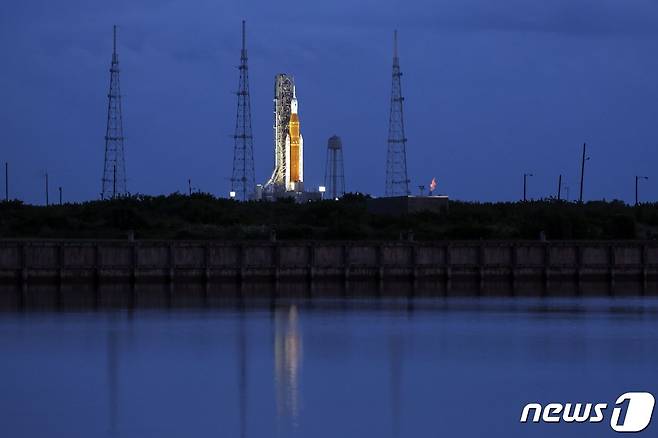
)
(262, 193)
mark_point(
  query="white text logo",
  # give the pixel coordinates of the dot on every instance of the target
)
(632, 412)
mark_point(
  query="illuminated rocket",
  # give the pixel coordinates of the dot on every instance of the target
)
(288, 173)
(294, 149)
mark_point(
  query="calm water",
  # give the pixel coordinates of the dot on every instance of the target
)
(370, 368)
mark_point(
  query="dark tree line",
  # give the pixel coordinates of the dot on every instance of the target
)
(202, 216)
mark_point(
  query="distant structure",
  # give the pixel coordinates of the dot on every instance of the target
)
(114, 169)
(288, 174)
(334, 174)
(243, 181)
(397, 182)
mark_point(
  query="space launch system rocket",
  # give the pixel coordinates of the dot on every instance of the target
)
(294, 149)
(288, 173)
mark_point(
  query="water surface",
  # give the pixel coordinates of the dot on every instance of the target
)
(323, 368)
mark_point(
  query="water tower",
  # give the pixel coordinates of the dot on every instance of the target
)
(334, 175)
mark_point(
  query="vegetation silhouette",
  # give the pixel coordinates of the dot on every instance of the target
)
(202, 216)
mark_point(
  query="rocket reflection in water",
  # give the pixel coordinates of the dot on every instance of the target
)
(287, 362)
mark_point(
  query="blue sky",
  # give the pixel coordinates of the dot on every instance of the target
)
(492, 90)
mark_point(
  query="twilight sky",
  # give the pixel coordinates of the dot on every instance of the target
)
(492, 90)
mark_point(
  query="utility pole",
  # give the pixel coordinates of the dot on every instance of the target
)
(637, 178)
(525, 184)
(559, 187)
(60, 195)
(189, 187)
(6, 181)
(582, 173)
(47, 200)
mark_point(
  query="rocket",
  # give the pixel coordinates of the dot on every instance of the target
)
(294, 149)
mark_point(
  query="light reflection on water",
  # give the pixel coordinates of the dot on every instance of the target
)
(385, 368)
(287, 363)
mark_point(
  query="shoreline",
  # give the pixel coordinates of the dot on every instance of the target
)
(425, 268)
(160, 260)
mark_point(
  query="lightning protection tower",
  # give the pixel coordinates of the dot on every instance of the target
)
(334, 175)
(243, 177)
(114, 169)
(397, 182)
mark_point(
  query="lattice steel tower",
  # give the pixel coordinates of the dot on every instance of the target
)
(334, 174)
(114, 169)
(397, 182)
(243, 179)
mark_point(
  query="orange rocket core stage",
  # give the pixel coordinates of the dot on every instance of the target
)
(294, 148)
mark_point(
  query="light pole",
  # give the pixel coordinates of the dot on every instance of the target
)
(47, 200)
(559, 187)
(525, 184)
(60, 195)
(582, 172)
(637, 178)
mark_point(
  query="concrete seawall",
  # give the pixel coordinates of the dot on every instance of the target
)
(212, 261)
